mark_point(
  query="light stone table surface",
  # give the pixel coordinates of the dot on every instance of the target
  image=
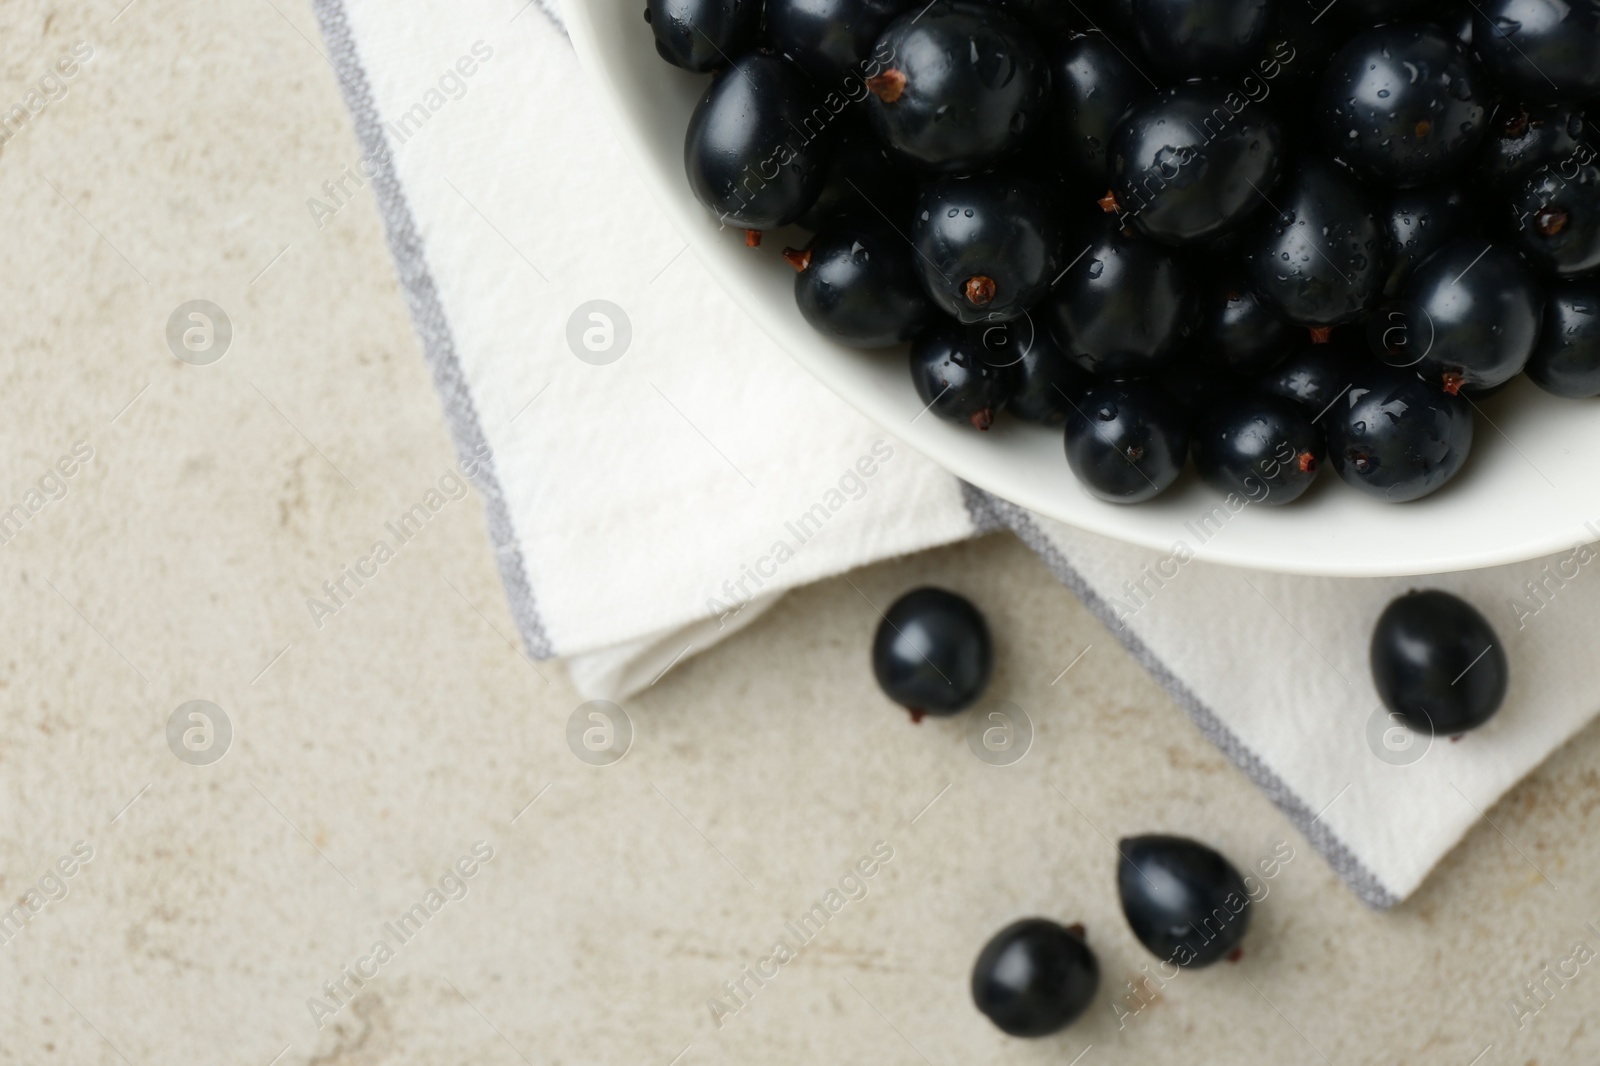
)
(372, 755)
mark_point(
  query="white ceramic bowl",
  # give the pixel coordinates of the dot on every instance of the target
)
(1529, 488)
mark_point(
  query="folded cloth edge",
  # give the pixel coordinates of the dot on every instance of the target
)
(988, 512)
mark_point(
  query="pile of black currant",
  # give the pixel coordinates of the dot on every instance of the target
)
(1436, 662)
(1264, 232)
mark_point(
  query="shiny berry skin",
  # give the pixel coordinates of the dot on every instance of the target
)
(1567, 359)
(1321, 261)
(855, 283)
(1313, 376)
(1437, 663)
(1035, 977)
(1124, 306)
(1182, 175)
(932, 653)
(831, 40)
(1127, 441)
(1185, 902)
(1523, 138)
(702, 35)
(1397, 437)
(1094, 85)
(1400, 103)
(1045, 383)
(987, 246)
(1261, 448)
(1419, 222)
(1239, 334)
(963, 85)
(752, 115)
(861, 175)
(955, 376)
(1543, 50)
(1477, 310)
(1558, 220)
(1201, 38)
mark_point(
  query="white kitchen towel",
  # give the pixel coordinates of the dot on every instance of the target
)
(657, 472)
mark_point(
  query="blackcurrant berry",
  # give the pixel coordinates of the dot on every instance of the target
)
(1126, 441)
(1401, 104)
(757, 145)
(932, 653)
(1567, 360)
(957, 379)
(1035, 977)
(1478, 311)
(987, 246)
(1545, 50)
(1094, 85)
(1397, 437)
(1437, 663)
(1239, 333)
(855, 283)
(1261, 448)
(1045, 383)
(963, 84)
(1313, 376)
(702, 35)
(1419, 222)
(1524, 137)
(831, 40)
(1558, 219)
(1201, 38)
(1185, 902)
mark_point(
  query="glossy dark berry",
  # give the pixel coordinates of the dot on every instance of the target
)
(1313, 376)
(1397, 437)
(1437, 663)
(1095, 84)
(1045, 383)
(1124, 306)
(1545, 50)
(1201, 38)
(1239, 334)
(1477, 309)
(754, 152)
(1567, 359)
(987, 246)
(1035, 977)
(932, 653)
(1401, 104)
(855, 283)
(1127, 441)
(1193, 162)
(1185, 902)
(703, 35)
(955, 376)
(1419, 222)
(1321, 261)
(1261, 448)
(1557, 214)
(831, 40)
(1524, 137)
(963, 84)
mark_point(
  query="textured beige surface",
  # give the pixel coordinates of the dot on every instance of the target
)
(371, 754)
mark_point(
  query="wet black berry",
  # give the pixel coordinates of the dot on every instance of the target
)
(855, 283)
(1124, 306)
(1094, 84)
(1201, 38)
(1567, 359)
(987, 246)
(1035, 977)
(1126, 441)
(962, 84)
(1475, 314)
(957, 379)
(832, 40)
(1261, 448)
(1313, 376)
(1558, 219)
(1546, 50)
(1402, 105)
(932, 653)
(1193, 162)
(1184, 901)
(1320, 261)
(1524, 137)
(1437, 663)
(757, 145)
(1045, 383)
(1239, 334)
(1420, 221)
(703, 34)
(1397, 437)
